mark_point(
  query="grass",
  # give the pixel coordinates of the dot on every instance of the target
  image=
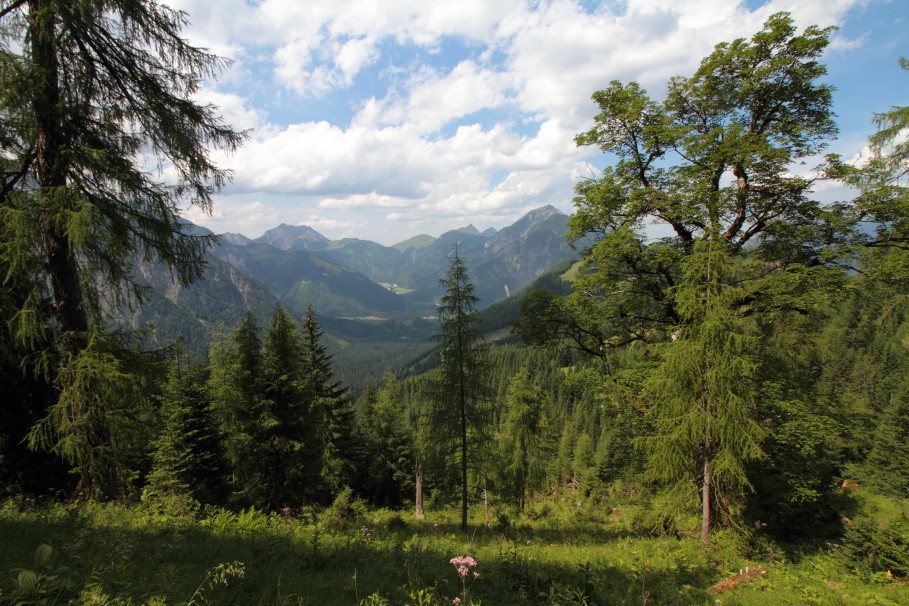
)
(126, 554)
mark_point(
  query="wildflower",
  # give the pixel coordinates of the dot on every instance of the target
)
(376, 521)
(476, 575)
(436, 525)
(456, 601)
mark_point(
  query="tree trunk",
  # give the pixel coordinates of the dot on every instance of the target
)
(50, 141)
(705, 503)
(463, 470)
(418, 498)
(485, 504)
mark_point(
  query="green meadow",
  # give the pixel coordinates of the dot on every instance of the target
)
(559, 552)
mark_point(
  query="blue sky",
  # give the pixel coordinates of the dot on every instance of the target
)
(383, 119)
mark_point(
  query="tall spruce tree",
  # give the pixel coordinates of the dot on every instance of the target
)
(387, 463)
(288, 463)
(188, 464)
(91, 94)
(460, 389)
(332, 417)
(522, 446)
(235, 387)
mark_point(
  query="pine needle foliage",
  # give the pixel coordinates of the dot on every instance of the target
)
(95, 96)
(703, 398)
(460, 390)
(99, 424)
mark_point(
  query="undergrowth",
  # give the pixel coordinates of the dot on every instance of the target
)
(559, 553)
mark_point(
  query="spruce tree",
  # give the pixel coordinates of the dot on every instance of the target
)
(889, 455)
(288, 462)
(460, 388)
(387, 463)
(235, 386)
(332, 416)
(188, 464)
(523, 451)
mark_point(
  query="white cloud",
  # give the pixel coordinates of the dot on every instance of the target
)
(234, 109)
(463, 135)
(434, 99)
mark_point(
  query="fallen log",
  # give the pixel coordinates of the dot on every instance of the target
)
(747, 576)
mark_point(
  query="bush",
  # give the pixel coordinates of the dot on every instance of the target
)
(872, 547)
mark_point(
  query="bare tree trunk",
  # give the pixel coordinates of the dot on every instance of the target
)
(485, 504)
(418, 498)
(705, 503)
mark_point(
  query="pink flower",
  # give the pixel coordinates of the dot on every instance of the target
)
(456, 601)
(463, 564)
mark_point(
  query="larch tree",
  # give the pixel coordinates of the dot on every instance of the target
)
(522, 447)
(94, 96)
(460, 389)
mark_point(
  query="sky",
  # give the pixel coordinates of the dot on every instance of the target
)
(384, 119)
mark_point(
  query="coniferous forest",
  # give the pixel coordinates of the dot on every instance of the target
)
(711, 405)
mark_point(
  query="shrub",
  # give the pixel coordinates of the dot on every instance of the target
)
(871, 547)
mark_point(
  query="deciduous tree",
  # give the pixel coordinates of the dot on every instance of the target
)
(699, 226)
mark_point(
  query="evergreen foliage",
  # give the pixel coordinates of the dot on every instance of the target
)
(703, 395)
(332, 417)
(522, 447)
(89, 87)
(187, 461)
(91, 94)
(460, 388)
(287, 450)
(234, 386)
(100, 423)
(386, 467)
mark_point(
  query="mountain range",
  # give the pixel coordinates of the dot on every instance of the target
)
(363, 292)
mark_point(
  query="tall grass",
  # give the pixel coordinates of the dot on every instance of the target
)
(577, 553)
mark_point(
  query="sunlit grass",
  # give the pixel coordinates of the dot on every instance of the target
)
(574, 552)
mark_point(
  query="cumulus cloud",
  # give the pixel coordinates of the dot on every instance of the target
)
(454, 110)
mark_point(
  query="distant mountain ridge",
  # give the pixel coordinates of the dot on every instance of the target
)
(498, 261)
(377, 303)
(351, 279)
